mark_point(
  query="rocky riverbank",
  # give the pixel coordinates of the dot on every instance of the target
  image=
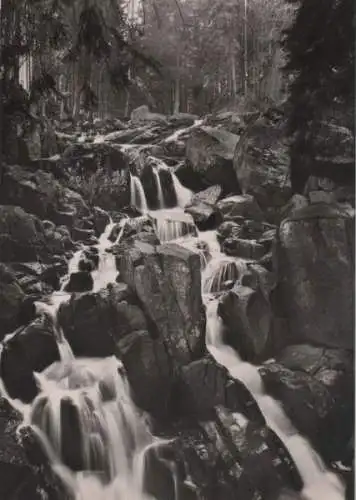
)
(279, 266)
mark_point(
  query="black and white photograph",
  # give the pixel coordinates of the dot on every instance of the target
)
(177, 249)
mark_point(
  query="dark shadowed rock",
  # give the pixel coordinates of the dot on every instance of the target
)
(93, 323)
(203, 208)
(245, 249)
(11, 298)
(169, 193)
(101, 220)
(248, 317)
(317, 398)
(227, 230)
(39, 193)
(80, 281)
(261, 162)
(229, 457)
(204, 384)
(21, 235)
(30, 350)
(296, 202)
(314, 258)
(205, 216)
(148, 370)
(24, 469)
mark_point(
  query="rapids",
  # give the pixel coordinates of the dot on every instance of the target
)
(112, 435)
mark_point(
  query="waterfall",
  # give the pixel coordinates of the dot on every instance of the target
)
(159, 188)
(94, 436)
(89, 401)
(137, 194)
(171, 224)
(222, 271)
(319, 483)
(184, 195)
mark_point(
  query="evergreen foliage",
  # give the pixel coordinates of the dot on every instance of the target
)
(320, 51)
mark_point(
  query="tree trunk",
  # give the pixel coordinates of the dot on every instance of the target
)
(245, 51)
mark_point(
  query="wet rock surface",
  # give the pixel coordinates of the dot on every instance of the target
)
(315, 260)
(25, 471)
(292, 303)
(165, 280)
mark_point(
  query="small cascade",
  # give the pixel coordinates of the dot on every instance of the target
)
(94, 436)
(86, 416)
(220, 273)
(319, 483)
(137, 194)
(172, 225)
(184, 195)
(159, 189)
(106, 271)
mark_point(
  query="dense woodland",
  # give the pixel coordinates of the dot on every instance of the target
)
(65, 59)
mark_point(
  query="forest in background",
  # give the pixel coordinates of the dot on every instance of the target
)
(84, 59)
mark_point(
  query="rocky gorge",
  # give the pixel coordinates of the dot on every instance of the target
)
(175, 323)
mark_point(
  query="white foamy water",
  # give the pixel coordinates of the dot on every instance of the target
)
(175, 136)
(319, 483)
(172, 224)
(137, 194)
(159, 188)
(111, 437)
(106, 272)
(184, 195)
(112, 433)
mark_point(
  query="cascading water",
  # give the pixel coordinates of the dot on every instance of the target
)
(172, 224)
(318, 481)
(95, 437)
(184, 195)
(159, 188)
(107, 434)
(137, 194)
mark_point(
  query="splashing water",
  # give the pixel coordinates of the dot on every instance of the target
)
(221, 271)
(184, 195)
(171, 224)
(318, 481)
(109, 434)
(137, 194)
(159, 188)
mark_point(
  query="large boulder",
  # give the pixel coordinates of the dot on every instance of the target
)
(39, 193)
(11, 300)
(94, 322)
(203, 208)
(205, 216)
(248, 317)
(167, 282)
(30, 350)
(203, 385)
(209, 153)
(23, 237)
(245, 249)
(230, 457)
(24, 469)
(261, 163)
(237, 206)
(315, 386)
(314, 260)
(148, 371)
